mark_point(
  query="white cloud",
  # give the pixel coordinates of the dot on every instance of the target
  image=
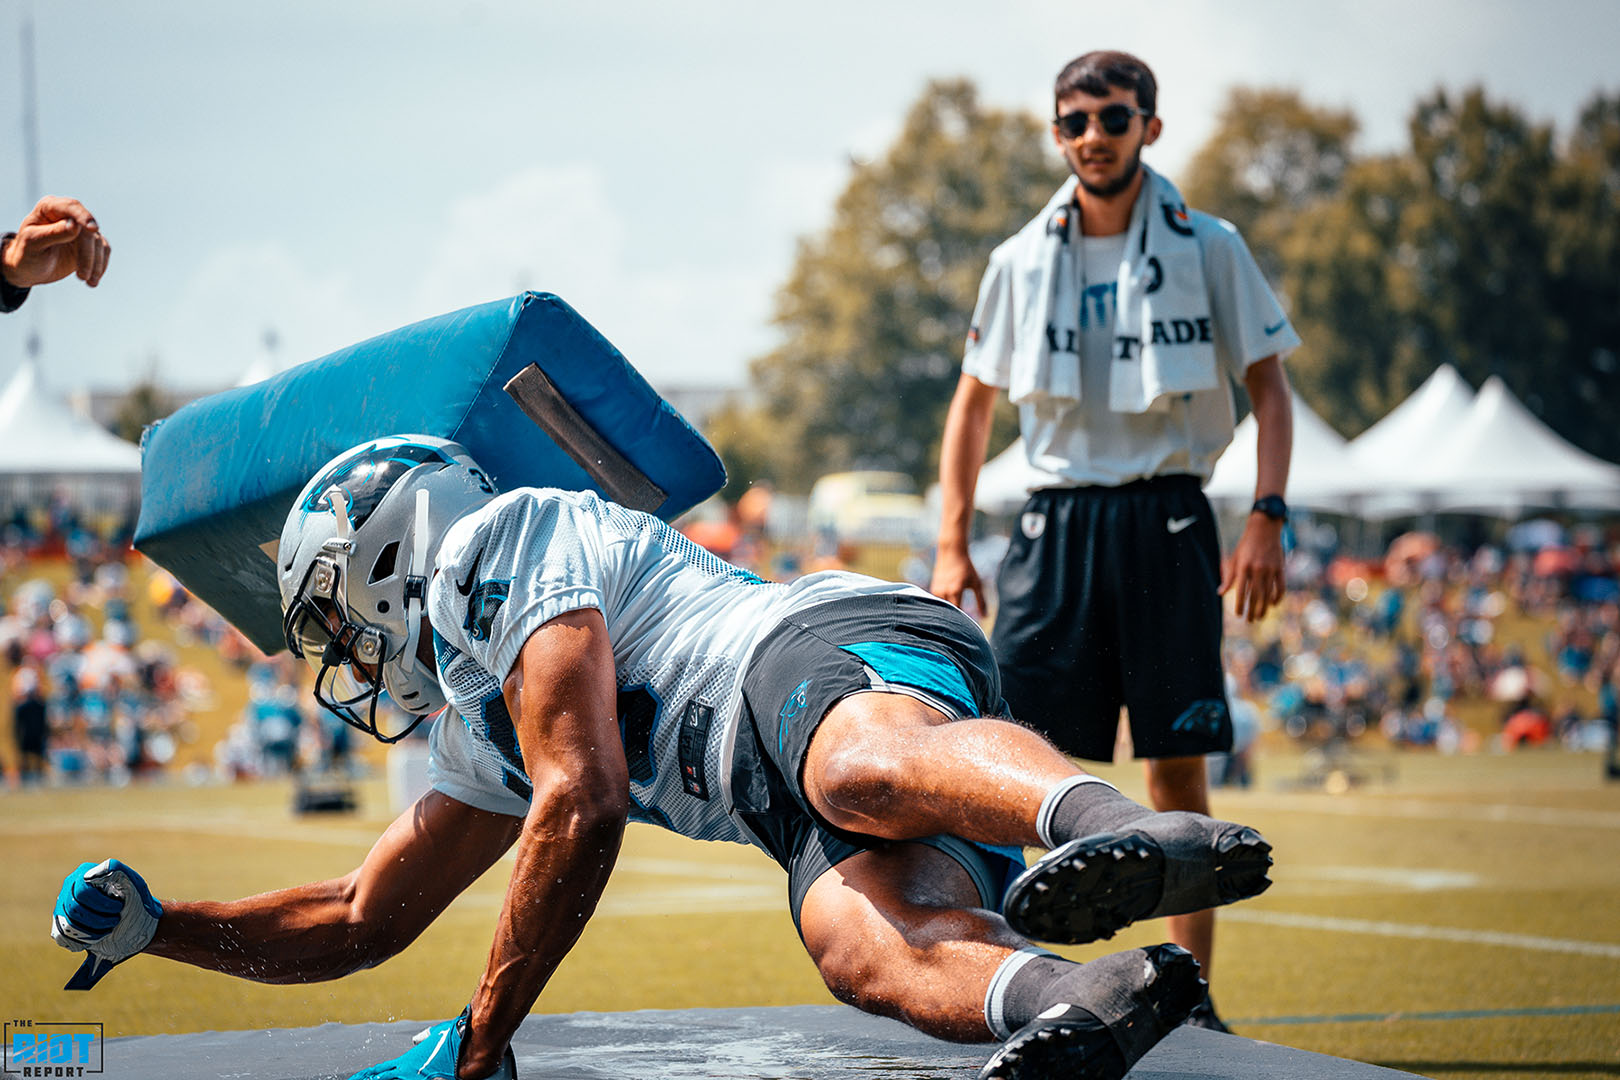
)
(217, 326)
(555, 229)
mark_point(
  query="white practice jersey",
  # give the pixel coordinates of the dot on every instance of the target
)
(682, 623)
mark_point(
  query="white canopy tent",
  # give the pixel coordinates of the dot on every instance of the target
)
(46, 447)
(1442, 449)
(1320, 474)
(1501, 460)
(1390, 456)
(1415, 428)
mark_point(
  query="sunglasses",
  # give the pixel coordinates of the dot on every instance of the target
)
(1115, 120)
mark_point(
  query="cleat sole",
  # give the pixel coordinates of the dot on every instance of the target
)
(1087, 890)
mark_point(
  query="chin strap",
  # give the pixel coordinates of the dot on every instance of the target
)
(416, 579)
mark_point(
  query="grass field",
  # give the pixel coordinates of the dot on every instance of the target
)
(1480, 885)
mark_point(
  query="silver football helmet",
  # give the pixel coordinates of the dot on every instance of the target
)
(354, 562)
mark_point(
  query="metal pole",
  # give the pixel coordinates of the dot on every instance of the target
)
(33, 191)
(30, 118)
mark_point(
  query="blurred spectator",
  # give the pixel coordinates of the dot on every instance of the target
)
(1527, 725)
(29, 720)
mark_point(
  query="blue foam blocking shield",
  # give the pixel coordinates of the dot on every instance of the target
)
(218, 476)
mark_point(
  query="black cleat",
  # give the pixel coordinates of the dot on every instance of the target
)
(1166, 864)
(1204, 1016)
(1068, 1041)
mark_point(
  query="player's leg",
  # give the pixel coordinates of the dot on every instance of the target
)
(903, 931)
(1175, 686)
(1183, 784)
(328, 929)
(886, 765)
(872, 710)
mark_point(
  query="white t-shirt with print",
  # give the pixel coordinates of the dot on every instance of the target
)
(1072, 444)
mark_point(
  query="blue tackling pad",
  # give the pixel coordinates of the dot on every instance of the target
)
(219, 476)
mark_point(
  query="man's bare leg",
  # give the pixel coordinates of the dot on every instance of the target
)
(1183, 784)
(899, 932)
(887, 765)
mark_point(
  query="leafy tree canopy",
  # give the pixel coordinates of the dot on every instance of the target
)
(875, 311)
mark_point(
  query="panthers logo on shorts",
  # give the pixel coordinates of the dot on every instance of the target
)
(796, 702)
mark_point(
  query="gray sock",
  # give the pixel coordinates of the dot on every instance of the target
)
(1017, 992)
(1082, 806)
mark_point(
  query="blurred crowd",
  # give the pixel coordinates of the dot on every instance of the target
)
(1523, 636)
(89, 698)
(1433, 645)
(95, 700)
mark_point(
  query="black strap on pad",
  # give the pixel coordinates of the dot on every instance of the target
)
(543, 403)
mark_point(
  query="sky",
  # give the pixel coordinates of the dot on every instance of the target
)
(331, 170)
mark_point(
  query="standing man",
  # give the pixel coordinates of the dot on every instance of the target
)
(1114, 320)
(58, 237)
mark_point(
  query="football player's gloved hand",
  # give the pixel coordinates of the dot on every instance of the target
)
(107, 909)
(435, 1055)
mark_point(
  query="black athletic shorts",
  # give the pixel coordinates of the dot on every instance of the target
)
(1107, 598)
(893, 642)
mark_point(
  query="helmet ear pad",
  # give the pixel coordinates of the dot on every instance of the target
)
(391, 592)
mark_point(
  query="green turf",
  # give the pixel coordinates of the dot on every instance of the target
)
(1478, 883)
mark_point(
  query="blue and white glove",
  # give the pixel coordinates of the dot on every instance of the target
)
(435, 1055)
(107, 909)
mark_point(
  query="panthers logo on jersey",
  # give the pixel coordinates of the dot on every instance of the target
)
(482, 604)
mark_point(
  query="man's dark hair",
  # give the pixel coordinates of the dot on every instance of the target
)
(1095, 72)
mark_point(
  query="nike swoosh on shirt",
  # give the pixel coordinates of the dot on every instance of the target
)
(465, 587)
(1175, 525)
(1273, 329)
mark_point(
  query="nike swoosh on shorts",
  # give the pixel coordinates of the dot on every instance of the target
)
(1175, 525)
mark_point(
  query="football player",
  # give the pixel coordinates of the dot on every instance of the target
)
(598, 667)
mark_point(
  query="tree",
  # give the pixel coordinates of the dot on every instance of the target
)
(1585, 262)
(1483, 244)
(144, 403)
(1272, 157)
(875, 311)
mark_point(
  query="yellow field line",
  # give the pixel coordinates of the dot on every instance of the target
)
(1332, 924)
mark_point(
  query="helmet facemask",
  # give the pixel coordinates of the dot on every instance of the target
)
(353, 656)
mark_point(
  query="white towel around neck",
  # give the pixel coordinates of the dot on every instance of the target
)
(1163, 337)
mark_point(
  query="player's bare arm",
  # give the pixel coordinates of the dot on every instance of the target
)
(961, 454)
(561, 695)
(329, 929)
(1253, 574)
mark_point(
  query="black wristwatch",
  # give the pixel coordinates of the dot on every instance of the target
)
(1272, 506)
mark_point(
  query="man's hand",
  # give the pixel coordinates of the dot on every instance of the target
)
(1253, 574)
(58, 237)
(434, 1057)
(107, 909)
(955, 577)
